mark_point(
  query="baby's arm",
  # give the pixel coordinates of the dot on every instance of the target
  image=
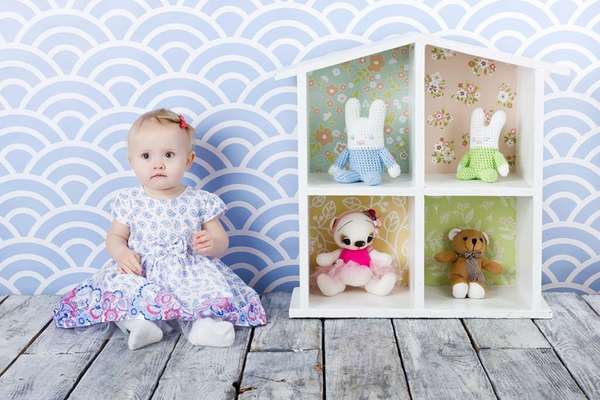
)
(116, 245)
(212, 241)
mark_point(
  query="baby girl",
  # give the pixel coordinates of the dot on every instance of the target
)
(164, 241)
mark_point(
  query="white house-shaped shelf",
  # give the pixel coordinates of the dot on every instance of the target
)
(430, 86)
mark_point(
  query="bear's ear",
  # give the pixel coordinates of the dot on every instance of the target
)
(332, 223)
(452, 234)
(486, 237)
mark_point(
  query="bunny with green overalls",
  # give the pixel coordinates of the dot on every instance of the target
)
(483, 160)
(365, 153)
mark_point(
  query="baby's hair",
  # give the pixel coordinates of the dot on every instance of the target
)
(163, 116)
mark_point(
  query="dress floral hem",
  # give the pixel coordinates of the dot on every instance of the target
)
(87, 305)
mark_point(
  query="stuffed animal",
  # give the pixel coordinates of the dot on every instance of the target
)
(365, 153)
(466, 273)
(483, 160)
(355, 263)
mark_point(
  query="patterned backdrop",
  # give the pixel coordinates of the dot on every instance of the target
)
(74, 74)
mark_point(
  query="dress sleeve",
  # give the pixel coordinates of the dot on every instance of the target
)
(121, 208)
(211, 206)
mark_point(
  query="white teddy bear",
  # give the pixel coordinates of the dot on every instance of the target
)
(355, 263)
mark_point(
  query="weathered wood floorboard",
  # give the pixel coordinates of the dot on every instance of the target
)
(282, 333)
(439, 360)
(505, 334)
(282, 375)
(362, 360)
(51, 365)
(196, 372)
(21, 319)
(529, 374)
(118, 373)
(593, 301)
(285, 360)
(574, 333)
(554, 359)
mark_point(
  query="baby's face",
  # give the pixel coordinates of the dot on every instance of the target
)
(159, 155)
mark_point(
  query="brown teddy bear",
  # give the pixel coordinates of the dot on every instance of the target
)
(466, 274)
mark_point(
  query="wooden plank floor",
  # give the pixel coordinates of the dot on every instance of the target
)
(310, 358)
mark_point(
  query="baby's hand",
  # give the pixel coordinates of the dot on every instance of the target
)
(129, 262)
(203, 242)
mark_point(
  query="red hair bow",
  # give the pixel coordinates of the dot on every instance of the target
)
(371, 214)
(182, 122)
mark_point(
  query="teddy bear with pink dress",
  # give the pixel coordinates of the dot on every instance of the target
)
(355, 263)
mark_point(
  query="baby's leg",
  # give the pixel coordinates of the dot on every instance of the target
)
(210, 332)
(141, 332)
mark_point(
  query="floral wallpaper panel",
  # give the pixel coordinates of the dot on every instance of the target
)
(494, 215)
(456, 84)
(379, 76)
(393, 237)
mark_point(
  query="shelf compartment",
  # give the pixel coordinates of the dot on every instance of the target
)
(456, 84)
(514, 243)
(395, 237)
(387, 75)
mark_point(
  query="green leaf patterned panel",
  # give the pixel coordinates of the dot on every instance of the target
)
(379, 76)
(496, 216)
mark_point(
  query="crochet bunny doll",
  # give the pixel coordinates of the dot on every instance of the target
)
(365, 152)
(483, 160)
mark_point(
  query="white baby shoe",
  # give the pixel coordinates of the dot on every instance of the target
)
(209, 332)
(141, 332)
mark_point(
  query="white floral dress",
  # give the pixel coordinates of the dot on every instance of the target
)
(176, 283)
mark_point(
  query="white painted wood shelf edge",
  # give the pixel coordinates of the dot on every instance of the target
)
(439, 305)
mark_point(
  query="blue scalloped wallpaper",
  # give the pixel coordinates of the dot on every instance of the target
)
(74, 74)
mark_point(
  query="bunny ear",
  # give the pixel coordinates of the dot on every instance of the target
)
(497, 121)
(352, 111)
(477, 119)
(377, 116)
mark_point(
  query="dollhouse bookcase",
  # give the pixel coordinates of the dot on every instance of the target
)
(430, 86)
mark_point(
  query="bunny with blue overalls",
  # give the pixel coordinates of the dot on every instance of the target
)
(365, 153)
